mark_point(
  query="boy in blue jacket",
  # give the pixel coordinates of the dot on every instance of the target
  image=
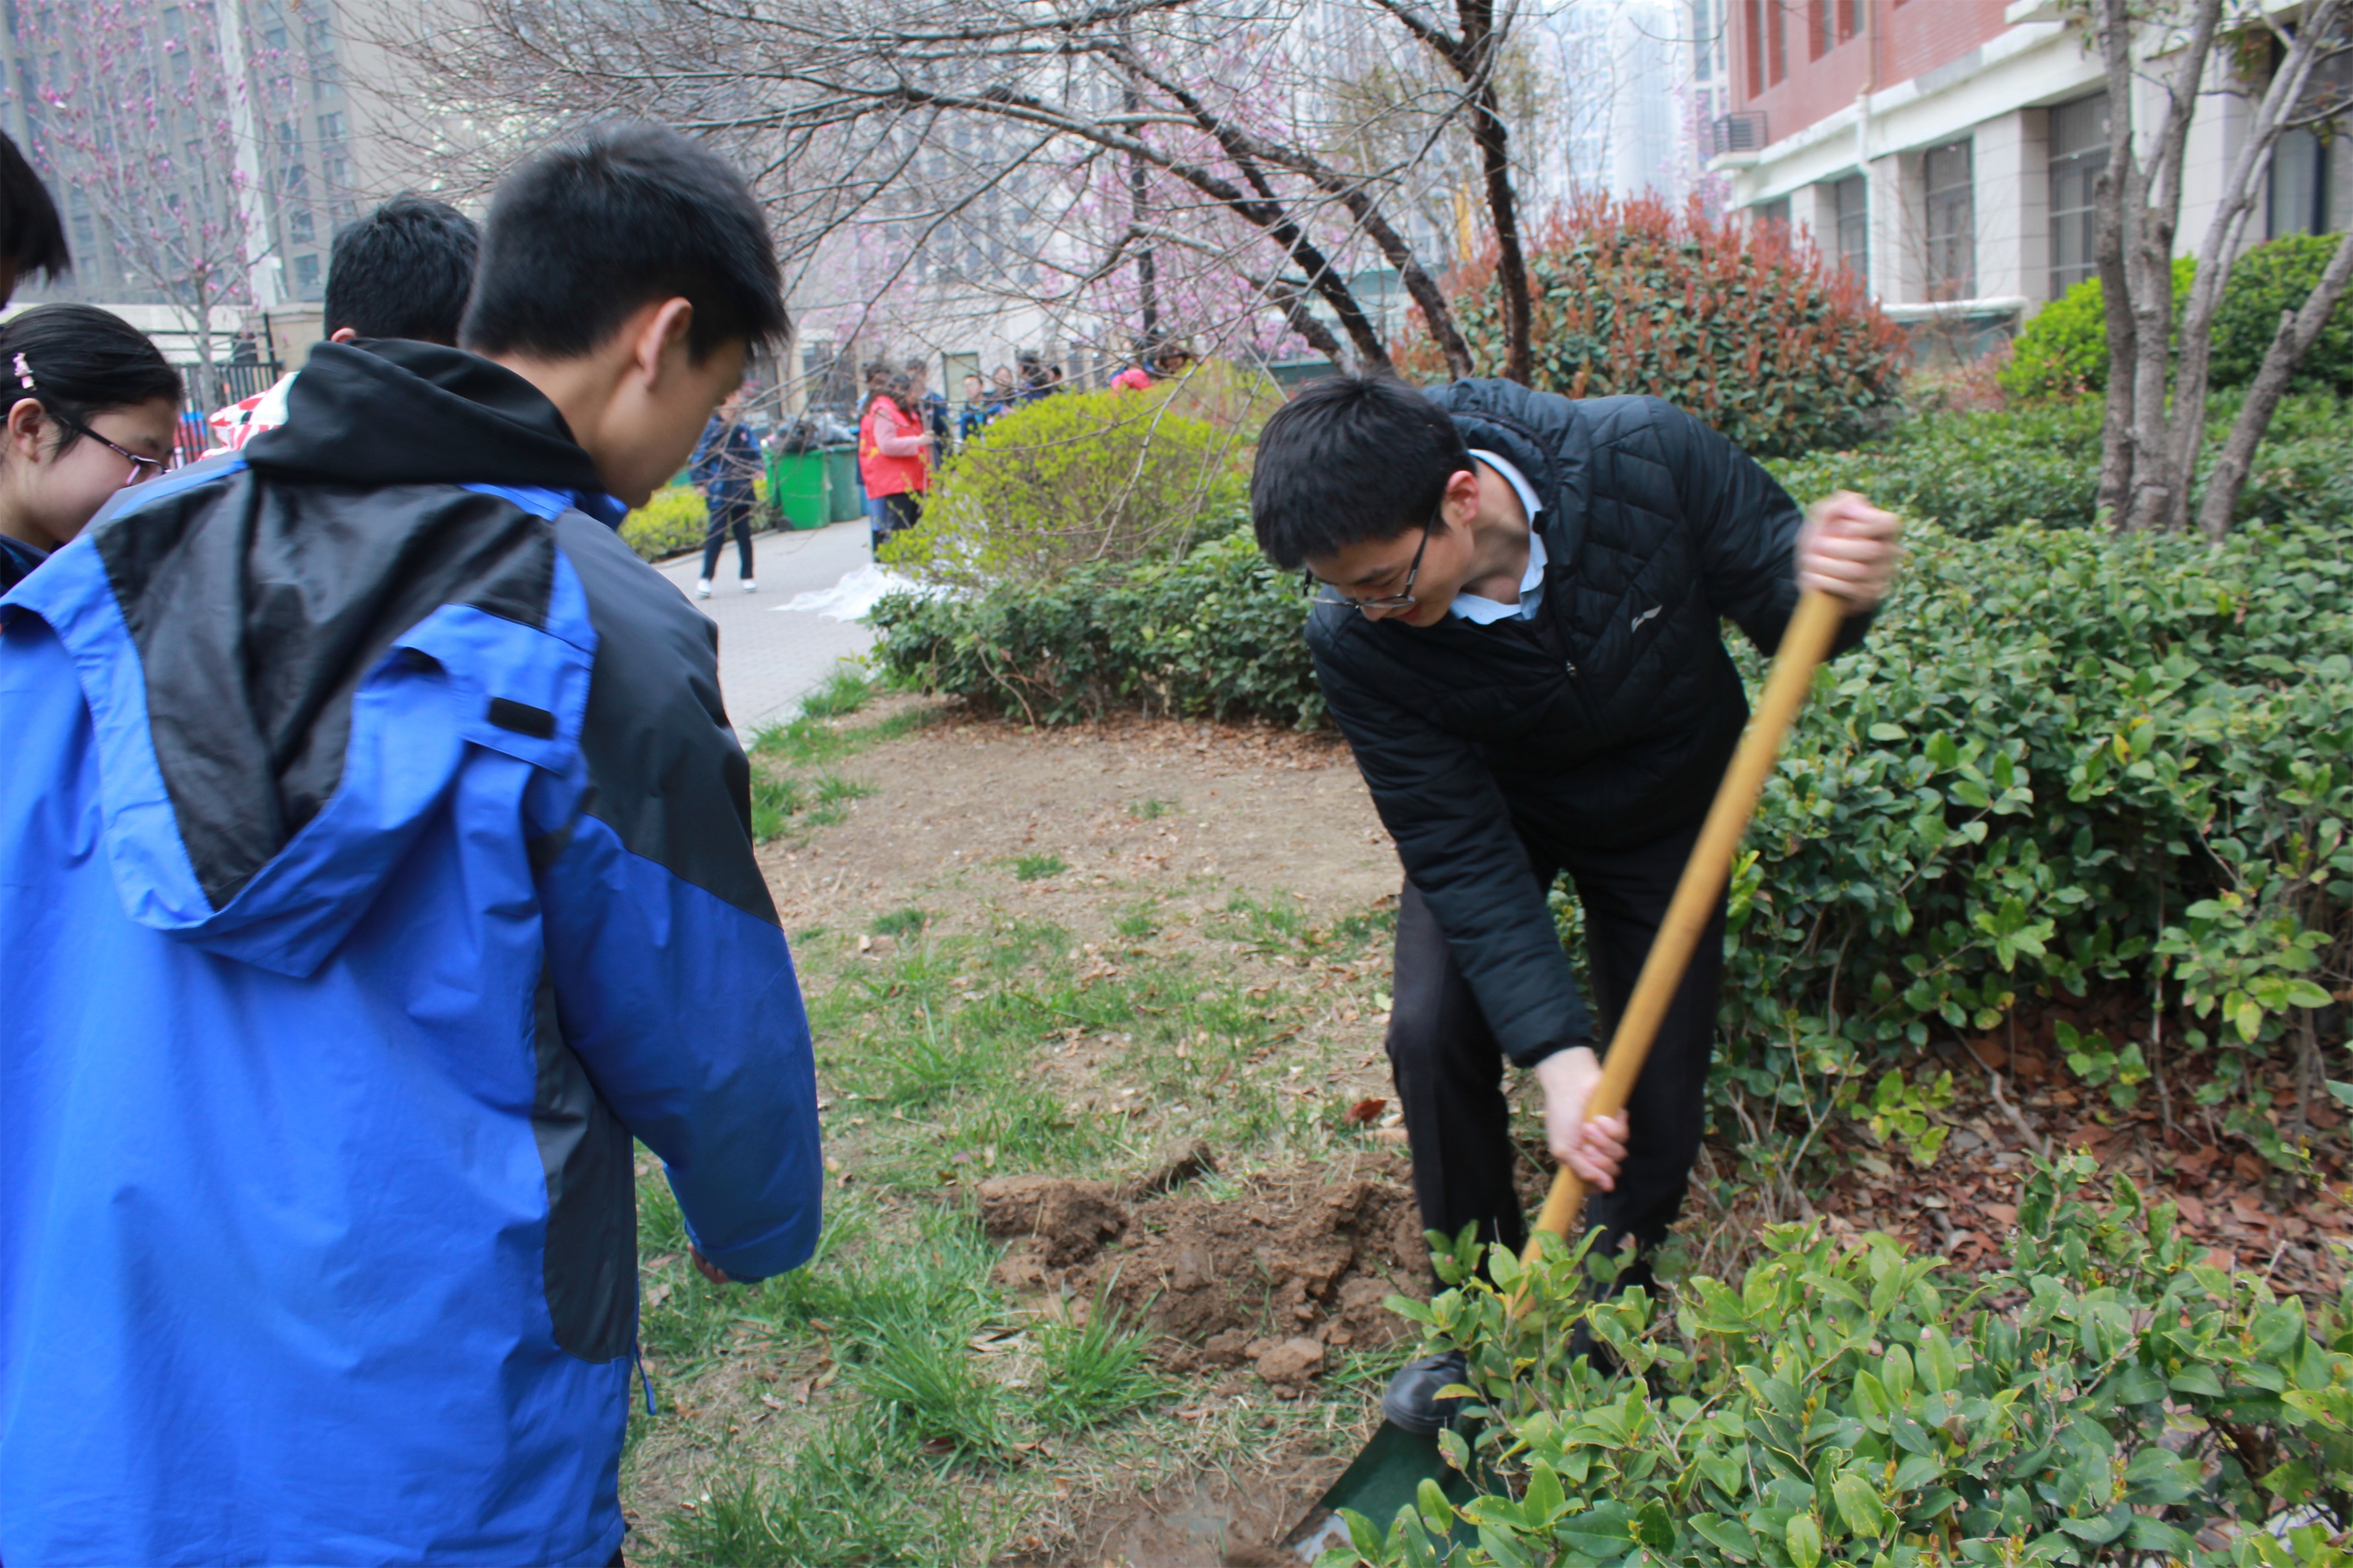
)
(379, 854)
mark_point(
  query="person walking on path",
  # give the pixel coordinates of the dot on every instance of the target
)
(726, 464)
(1518, 629)
(379, 859)
(893, 456)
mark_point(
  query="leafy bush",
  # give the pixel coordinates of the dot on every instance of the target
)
(1216, 632)
(2063, 352)
(1973, 472)
(2268, 280)
(1079, 477)
(675, 520)
(2107, 1398)
(1750, 329)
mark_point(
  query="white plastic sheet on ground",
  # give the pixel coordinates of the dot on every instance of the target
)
(855, 594)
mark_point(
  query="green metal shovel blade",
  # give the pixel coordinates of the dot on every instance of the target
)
(1384, 1478)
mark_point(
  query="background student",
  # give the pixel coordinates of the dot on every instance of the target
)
(402, 272)
(894, 456)
(406, 851)
(32, 238)
(727, 464)
(91, 406)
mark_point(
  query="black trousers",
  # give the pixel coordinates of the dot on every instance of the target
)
(729, 517)
(1449, 1069)
(900, 510)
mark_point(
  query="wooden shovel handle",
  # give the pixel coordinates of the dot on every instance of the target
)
(1805, 644)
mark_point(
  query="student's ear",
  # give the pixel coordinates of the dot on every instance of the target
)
(343, 335)
(26, 421)
(660, 347)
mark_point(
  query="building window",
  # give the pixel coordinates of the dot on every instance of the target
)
(1777, 29)
(331, 127)
(2079, 151)
(1774, 211)
(1952, 222)
(301, 227)
(1821, 22)
(306, 275)
(1756, 50)
(2310, 188)
(1851, 198)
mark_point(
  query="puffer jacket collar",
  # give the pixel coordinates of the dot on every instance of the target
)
(1549, 444)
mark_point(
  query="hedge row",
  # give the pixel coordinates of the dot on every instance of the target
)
(2062, 758)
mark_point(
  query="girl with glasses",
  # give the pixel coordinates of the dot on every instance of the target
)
(90, 409)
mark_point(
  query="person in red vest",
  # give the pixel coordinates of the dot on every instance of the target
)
(895, 456)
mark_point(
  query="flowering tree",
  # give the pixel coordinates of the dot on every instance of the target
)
(139, 112)
(1154, 157)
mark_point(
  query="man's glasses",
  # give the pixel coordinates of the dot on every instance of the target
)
(142, 468)
(1325, 593)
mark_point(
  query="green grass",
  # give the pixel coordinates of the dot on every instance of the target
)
(787, 800)
(930, 1407)
(1150, 810)
(1094, 1372)
(1035, 867)
(855, 1494)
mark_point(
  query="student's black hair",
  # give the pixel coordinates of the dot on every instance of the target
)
(587, 232)
(1351, 458)
(79, 361)
(31, 236)
(402, 271)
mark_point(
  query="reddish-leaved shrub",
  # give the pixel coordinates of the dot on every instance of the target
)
(1748, 327)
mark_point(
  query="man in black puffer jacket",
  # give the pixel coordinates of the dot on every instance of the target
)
(1518, 630)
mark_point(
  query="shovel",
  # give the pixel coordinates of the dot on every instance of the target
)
(1386, 1476)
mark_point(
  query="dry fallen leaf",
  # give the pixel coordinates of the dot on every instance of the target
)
(1365, 1113)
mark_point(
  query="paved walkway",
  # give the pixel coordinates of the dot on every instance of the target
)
(769, 657)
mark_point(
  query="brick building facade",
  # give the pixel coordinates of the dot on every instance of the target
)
(1947, 151)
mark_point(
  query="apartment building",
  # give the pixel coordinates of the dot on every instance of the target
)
(1947, 149)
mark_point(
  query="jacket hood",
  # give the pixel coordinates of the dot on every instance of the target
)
(290, 654)
(386, 411)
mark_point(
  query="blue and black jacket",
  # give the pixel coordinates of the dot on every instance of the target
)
(375, 864)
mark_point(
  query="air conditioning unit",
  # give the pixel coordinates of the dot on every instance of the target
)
(1740, 132)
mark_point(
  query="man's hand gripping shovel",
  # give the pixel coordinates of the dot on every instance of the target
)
(1384, 1477)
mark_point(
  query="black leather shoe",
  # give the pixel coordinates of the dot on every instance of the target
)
(1412, 1400)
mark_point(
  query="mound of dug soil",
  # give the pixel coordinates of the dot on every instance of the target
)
(1294, 1266)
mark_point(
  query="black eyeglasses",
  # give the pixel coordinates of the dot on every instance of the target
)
(142, 468)
(1327, 594)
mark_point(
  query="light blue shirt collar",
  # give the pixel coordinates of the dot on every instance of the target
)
(1487, 611)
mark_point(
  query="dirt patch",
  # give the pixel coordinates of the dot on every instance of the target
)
(1171, 804)
(1274, 1277)
(1204, 1518)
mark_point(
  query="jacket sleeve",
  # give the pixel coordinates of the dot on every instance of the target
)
(709, 452)
(1454, 835)
(1745, 526)
(671, 978)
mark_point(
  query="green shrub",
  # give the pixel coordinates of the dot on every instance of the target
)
(1079, 477)
(2107, 1398)
(2063, 352)
(675, 520)
(1216, 632)
(1973, 472)
(1751, 330)
(2266, 280)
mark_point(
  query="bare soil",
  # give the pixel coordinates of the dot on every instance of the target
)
(1198, 809)
(1271, 1276)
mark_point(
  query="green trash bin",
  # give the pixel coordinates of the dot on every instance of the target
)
(845, 497)
(796, 488)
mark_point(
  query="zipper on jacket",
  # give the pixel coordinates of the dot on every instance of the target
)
(1570, 665)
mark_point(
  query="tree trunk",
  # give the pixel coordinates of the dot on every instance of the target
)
(2298, 331)
(1492, 138)
(2118, 197)
(2149, 271)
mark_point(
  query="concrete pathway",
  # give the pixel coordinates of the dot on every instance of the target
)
(769, 661)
